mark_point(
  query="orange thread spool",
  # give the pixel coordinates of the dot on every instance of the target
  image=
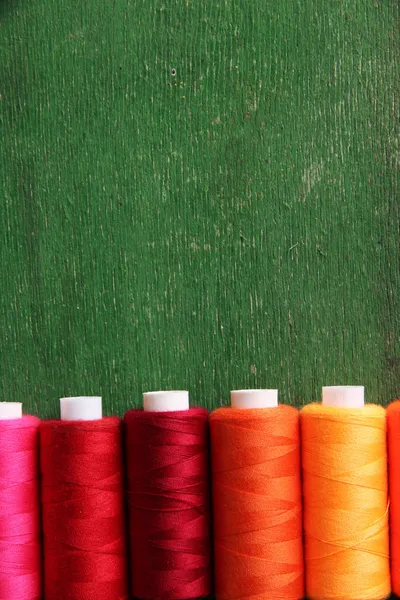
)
(257, 503)
(393, 423)
(345, 502)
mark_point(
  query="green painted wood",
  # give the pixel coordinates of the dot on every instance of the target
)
(198, 195)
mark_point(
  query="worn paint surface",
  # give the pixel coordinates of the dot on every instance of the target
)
(198, 195)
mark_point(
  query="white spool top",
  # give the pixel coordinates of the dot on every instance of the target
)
(81, 408)
(10, 410)
(343, 396)
(166, 401)
(254, 398)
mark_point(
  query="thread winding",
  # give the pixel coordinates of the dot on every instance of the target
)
(345, 502)
(393, 423)
(168, 501)
(257, 503)
(20, 547)
(83, 510)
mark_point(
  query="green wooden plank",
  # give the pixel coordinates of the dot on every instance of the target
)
(198, 195)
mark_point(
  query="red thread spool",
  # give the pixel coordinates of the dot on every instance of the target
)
(83, 509)
(393, 425)
(20, 548)
(168, 501)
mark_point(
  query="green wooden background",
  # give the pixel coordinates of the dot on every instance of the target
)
(198, 195)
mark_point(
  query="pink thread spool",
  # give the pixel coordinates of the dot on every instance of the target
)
(20, 546)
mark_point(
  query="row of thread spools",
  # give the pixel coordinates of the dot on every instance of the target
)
(300, 500)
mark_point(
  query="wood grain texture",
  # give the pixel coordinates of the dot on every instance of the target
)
(198, 195)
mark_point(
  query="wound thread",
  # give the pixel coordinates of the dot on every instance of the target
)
(257, 503)
(393, 423)
(83, 510)
(20, 547)
(168, 501)
(345, 502)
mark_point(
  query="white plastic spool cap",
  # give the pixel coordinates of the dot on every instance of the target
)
(10, 410)
(169, 401)
(343, 396)
(81, 408)
(254, 398)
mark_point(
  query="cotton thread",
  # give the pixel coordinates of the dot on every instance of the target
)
(83, 510)
(393, 423)
(20, 548)
(257, 503)
(345, 502)
(168, 501)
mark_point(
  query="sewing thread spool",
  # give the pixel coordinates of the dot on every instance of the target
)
(20, 547)
(345, 497)
(83, 504)
(168, 498)
(255, 447)
(393, 423)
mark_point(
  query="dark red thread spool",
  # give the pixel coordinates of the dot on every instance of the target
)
(83, 509)
(20, 545)
(168, 501)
